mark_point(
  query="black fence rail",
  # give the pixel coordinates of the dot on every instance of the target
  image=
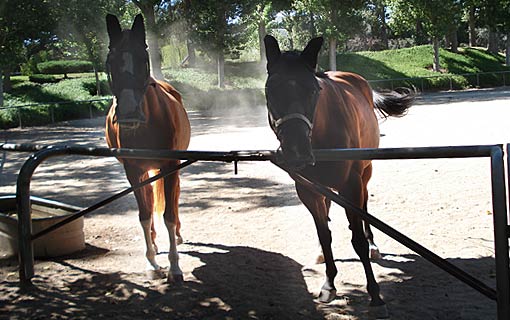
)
(499, 200)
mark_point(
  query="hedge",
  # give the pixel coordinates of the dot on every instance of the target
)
(64, 67)
(43, 78)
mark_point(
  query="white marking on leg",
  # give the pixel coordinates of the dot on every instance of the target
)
(175, 272)
(150, 252)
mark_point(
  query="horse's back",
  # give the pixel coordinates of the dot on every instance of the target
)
(351, 97)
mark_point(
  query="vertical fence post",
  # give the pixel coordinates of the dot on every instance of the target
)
(451, 83)
(52, 113)
(90, 109)
(500, 232)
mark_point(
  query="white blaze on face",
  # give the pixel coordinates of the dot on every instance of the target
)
(128, 65)
(127, 101)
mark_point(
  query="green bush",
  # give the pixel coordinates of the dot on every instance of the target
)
(43, 78)
(90, 86)
(64, 67)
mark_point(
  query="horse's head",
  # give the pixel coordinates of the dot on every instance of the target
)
(127, 66)
(292, 92)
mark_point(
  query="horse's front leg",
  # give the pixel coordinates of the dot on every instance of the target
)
(145, 200)
(171, 216)
(319, 210)
(353, 190)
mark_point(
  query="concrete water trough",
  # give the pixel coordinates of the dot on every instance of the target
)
(45, 213)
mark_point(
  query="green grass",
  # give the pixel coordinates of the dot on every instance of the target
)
(67, 92)
(417, 62)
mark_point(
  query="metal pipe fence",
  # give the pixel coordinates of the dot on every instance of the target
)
(499, 200)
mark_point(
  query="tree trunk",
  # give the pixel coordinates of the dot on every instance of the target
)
(221, 70)
(262, 33)
(436, 66)
(7, 84)
(472, 33)
(493, 41)
(454, 41)
(98, 83)
(2, 89)
(384, 27)
(507, 53)
(332, 54)
(152, 38)
(191, 53)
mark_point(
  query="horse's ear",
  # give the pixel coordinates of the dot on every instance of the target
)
(272, 50)
(311, 51)
(138, 28)
(113, 28)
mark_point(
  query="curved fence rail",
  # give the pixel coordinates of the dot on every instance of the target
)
(494, 152)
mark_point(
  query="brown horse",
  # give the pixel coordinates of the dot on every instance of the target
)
(327, 111)
(146, 114)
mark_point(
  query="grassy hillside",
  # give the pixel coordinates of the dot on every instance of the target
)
(417, 62)
(245, 81)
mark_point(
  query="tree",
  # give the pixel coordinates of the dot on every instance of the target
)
(148, 8)
(436, 17)
(83, 25)
(380, 27)
(219, 29)
(493, 14)
(26, 27)
(336, 20)
(263, 13)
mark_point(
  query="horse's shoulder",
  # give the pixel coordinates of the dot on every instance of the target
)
(168, 88)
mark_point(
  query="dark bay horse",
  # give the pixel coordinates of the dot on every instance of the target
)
(327, 111)
(146, 114)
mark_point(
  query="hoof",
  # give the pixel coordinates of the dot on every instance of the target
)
(175, 279)
(327, 296)
(179, 240)
(374, 253)
(156, 274)
(379, 312)
(320, 259)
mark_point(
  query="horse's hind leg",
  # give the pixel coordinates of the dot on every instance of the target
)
(171, 216)
(320, 256)
(354, 192)
(145, 200)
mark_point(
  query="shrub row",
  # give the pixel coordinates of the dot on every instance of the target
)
(64, 66)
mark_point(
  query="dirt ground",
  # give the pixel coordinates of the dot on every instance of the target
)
(250, 245)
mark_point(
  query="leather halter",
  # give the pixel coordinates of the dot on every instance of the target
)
(279, 122)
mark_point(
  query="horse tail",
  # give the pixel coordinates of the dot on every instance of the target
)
(158, 189)
(394, 103)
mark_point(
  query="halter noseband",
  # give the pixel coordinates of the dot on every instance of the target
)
(279, 122)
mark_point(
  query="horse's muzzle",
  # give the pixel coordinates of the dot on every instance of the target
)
(129, 108)
(295, 160)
